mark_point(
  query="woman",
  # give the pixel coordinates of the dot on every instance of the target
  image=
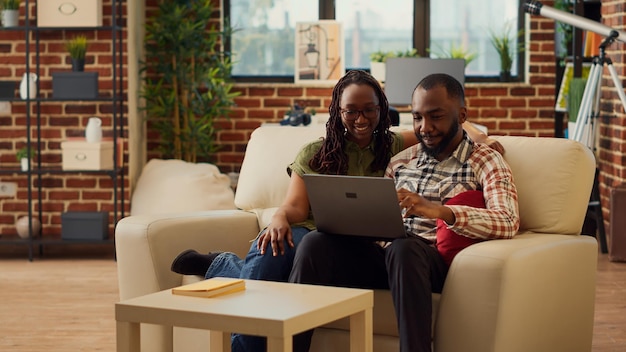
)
(358, 142)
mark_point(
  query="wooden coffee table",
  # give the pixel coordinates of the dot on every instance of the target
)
(272, 309)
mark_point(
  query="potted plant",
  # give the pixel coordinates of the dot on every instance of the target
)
(504, 43)
(76, 84)
(24, 155)
(377, 63)
(77, 48)
(186, 86)
(378, 60)
(454, 52)
(10, 12)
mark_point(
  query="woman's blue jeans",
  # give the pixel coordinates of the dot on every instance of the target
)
(257, 267)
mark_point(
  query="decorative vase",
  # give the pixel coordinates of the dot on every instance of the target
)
(10, 18)
(21, 226)
(24, 163)
(28, 86)
(93, 132)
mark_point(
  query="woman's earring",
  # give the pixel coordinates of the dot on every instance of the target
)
(345, 131)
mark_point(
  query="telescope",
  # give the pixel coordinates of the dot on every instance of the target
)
(537, 8)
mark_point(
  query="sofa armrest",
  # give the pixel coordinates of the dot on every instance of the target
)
(501, 295)
(146, 245)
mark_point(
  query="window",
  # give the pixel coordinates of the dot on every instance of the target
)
(263, 42)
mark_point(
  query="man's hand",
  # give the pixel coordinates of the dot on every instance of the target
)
(416, 205)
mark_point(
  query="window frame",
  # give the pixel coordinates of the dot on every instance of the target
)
(421, 42)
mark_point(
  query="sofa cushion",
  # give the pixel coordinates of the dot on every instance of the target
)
(171, 186)
(449, 243)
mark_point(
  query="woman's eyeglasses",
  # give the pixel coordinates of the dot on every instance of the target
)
(368, 113)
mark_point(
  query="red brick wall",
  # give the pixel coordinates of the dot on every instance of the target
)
(60, 192)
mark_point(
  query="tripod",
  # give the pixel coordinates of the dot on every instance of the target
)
(585, 129)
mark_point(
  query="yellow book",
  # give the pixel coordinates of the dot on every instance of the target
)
(211, 287)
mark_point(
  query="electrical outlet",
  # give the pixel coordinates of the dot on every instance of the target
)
(5, 108)
(8, 189)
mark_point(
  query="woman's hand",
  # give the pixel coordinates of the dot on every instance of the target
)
(276, 233)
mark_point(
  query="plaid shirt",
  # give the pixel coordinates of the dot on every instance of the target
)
(470, 167)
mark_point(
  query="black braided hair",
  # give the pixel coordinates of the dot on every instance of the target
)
(331, 158)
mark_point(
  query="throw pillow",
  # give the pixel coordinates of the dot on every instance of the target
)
(449, 243)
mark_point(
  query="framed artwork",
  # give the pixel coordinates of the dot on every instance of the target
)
(319, 52)
(561, 99)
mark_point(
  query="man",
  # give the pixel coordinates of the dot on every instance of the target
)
(444, 164)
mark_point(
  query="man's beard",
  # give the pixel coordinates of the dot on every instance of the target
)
(445, 141)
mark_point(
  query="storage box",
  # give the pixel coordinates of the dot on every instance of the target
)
(81, 155)
(7, 89)
(75, 85)
(69, 13)
(84, 225)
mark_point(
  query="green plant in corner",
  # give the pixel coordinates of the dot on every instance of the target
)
(407, 53)
(186, 85)
(504, 43)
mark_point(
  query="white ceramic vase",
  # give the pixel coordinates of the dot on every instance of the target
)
(93, 132)
(24, 162)
(377, 69)
(10, 18)
(28, 86)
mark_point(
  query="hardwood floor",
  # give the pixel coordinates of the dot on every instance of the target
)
(60, 304)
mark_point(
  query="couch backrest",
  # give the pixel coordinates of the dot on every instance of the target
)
(553, 176)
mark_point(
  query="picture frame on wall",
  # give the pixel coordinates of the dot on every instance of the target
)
(319, 56)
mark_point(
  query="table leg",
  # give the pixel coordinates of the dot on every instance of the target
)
(280, 344)
(219, 341)
(128, 336)
(361, 330)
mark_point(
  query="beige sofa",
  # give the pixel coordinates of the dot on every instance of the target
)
(532, 293)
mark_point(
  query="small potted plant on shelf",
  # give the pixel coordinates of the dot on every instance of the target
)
(10, 13)
(377, 63)
(24, 156)
(77, 48)
(77, 84)
(504, 43)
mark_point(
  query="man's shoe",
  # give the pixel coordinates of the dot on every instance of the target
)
(190, 262)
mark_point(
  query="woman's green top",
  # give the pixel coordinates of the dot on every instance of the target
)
(359, 162)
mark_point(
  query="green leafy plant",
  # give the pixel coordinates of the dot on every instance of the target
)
(407, 53)
(77, 47)
(381, 56)
(504, 43)
(10, 4)
(454, 52)
(186, 85)
(565, 30)
(24, 153)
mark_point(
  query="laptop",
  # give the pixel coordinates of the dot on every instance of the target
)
(355, 205)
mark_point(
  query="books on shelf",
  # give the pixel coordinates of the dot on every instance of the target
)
(211, 287)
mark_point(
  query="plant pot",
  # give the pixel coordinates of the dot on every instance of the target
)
(505, 76)
(10, 18)
(377, 69)
(78, 65)
(24, 163)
